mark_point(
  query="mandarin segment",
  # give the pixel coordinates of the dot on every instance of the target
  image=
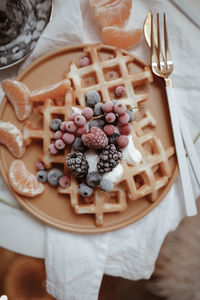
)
(11, 137)
(22, 181)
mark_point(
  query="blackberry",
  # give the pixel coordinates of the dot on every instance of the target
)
(77, 164)
(109, 159)
(112, 139)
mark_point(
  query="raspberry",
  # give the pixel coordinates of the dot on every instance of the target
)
(59, 144)
(131, 115)
(119, 108)
(81, 130)
(77, 164)
(125, 129)
(92, 98)
(109, 129)
(63, 126)
(95, 138)
(39, 166)
(108, 107)
(84, 61)
(98, 109)
(64, 181)
(123, 119)
(80, 121)
(120, 91)
(58, 134)
(87, 112)
(110, 117)
(52, 149)
(68, 138)
(73, 116)
(70, 126)
(109, 159)
(122, 141)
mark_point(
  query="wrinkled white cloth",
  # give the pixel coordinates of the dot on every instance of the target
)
(75, 263)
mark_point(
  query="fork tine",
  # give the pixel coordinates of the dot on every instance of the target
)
(167, 51)
(154, 59)
(160, 55)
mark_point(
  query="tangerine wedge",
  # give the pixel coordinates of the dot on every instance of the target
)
(11, 137)
(111, 12)
(118, 37)
(22, 181)
(18, 94)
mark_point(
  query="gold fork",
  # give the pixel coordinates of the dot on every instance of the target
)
(162, 66)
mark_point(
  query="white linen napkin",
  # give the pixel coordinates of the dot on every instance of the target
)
(75, 263)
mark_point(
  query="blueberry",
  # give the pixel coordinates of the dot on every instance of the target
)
(78, 145)
(106, 185)
(113, 138)
(98, 109)
(85, 190)
(92, 98)
(55, 124)
(99, 123)
(114, 101)
(93, 179)
(131, 115)
(54, 176)
(42, 176)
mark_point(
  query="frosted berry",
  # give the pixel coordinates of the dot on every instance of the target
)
(108, 107)
(78, 145)
(106, 185)
(109, 159)
(98, 109)
(80, 121)
(85, 190)
(99, 123)
(52, 149)
(42, 176)
(81, 130)
(68, 138)
(58, 135)
(109, 129)
(54, 176)
(93, 179)
(110, 117)
(63, 126)
(64, 181)
(95, 138)
(122, 141)
(113, 138)
(77, 164)
(131, 115)
(123, 119)
(39, 166)
(55, 124)
(92, 98)
(73, 116)
(119, 108)
(59, 144)
(84, 61)
(71, 126)
(120, 91)
(87, 112)
(125, 129)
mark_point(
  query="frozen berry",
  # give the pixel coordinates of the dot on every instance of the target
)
(85, 190)
(122, 141)
(74, 115)
(108, 107)
(98, 109)
(106, 185)
(42, 176)
(125, 129)
(52, 149)
(59, 144)
(95, 138)
(87, 112)
(70, 126)
(80, 121)
(81, 130)
(39, 166)
(63, 126)
(113, 138)
(64, 181)
(110, 117)
(93, 179)
(55, 124)
(131, 115)
(109, 129)
(54, 176)
(120, 91)
(58, 134)
(78, 145)
(92, 98)
(77, 164)
(123, 119)
(68, 138)
(84, 61)
(119, 108)
(99, 123)
(109, 159)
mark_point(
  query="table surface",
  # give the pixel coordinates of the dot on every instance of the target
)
(22, 233)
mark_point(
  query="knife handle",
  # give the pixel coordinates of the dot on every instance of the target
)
(188, 194)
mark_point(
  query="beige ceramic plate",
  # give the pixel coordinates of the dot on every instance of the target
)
(53, 208)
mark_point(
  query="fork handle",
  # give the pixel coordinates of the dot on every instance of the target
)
(188, 194)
